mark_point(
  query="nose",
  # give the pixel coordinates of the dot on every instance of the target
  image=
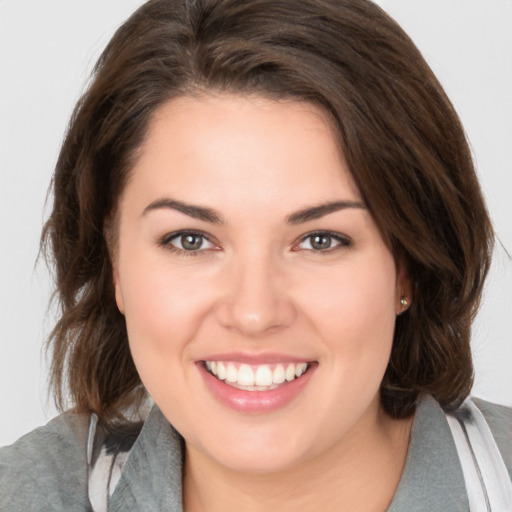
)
(255, 300)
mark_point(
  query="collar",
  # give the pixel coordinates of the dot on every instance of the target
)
(432, 480)
(152, 475)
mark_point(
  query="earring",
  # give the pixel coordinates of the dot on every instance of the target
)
(404, 302)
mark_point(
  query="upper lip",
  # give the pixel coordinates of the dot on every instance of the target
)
(256, 359)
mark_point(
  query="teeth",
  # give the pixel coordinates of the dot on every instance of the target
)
(231, 373)
(245, 376)
(221, 371)
(278, 375)
(290, 372)
(261, 376)
(300, 369)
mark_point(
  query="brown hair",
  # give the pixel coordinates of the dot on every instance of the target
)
(398, 131)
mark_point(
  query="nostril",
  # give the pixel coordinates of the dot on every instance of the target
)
(254, 316)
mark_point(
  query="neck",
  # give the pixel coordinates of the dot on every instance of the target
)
(369, 459)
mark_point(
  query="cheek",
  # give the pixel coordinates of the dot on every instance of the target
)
(353, 313)
(163, 303)
(162, 314)
(356, 323)
(355, 302)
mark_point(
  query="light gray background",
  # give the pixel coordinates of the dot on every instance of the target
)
(47, 50)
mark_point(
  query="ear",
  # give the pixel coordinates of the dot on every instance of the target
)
(403, 297)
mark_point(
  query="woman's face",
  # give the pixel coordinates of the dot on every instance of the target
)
(245, 251)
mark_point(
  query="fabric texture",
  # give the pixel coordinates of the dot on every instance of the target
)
(47, 469)
(486, 477)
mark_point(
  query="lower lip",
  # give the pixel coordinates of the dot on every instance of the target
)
(255, 401)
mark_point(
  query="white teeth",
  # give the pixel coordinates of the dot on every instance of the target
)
(221, 371)
(300, 369)
(263, 376)
(260, 376)
(290, 372)
(245, 375)
(278, 375)
(231, 373)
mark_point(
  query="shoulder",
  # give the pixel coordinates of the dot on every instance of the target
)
(499, 419)
(47, 468)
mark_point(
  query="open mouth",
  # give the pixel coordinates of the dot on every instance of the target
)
(264, 377)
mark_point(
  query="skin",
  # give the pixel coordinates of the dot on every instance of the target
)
(257, 285)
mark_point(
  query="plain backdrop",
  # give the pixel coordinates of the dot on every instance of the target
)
(47, 50)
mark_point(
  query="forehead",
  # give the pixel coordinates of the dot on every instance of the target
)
(242, 149)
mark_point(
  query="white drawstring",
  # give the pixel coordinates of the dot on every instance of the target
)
(487, 481)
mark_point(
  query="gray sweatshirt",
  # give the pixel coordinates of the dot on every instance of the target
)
(47, 470)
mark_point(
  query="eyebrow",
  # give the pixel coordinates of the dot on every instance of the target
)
(196, 212)
(316, 212)
(213, 217)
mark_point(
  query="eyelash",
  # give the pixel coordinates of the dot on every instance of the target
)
(166, 242)
(342, 241)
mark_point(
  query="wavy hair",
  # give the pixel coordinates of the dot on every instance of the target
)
(402, 140)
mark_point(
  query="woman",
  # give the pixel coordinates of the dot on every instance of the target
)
(266, 218)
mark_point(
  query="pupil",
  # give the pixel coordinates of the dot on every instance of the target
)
(321, 242)
(191, 242)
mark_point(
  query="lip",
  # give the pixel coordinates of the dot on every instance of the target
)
(256, 359)
(255, 401)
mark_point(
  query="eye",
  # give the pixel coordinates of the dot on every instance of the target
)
(187, 241)
(322, 241)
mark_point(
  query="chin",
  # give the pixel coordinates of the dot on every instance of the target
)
(258, 461)
(253, 450)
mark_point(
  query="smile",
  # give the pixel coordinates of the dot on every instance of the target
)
(256, 383)
(264, 377)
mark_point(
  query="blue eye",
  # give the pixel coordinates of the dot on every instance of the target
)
(322, 241)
